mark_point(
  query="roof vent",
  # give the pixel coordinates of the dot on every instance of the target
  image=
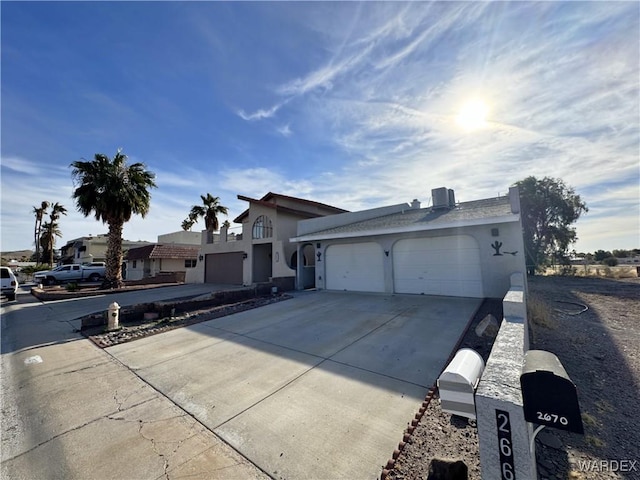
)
(443, 198)
(415, 204)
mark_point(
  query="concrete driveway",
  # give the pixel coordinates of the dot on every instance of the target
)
(320, 386)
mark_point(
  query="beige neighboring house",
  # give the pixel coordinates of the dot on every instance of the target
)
(174, 252)
(262, 252)
(92, 249)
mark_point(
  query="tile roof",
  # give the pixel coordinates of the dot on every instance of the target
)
(162, 251)
(267, 201)
(415, 219)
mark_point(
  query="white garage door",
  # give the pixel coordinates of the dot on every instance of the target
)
(356, 267)
(438, 266)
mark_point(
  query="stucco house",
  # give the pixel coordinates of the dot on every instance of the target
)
(155, 259)
(466, 249)
(92, 249)
(174, 252)
(262, 252)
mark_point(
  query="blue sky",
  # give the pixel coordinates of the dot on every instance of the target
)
(352, 104)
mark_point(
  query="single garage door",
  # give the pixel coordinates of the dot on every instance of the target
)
(356, 267)
(224, 268)
(447, 266)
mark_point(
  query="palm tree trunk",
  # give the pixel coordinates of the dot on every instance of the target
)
(51, 246)
(113, 260)
(36, 237)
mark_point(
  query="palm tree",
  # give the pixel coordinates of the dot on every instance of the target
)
(113, 191)
(187, 224)
(209, 209)
(47, 239)
(39, 212)
(54, 216)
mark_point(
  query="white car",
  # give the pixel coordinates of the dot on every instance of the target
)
(9, 283)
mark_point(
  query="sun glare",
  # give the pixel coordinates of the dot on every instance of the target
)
(473, 115)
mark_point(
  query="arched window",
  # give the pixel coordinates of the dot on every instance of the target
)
(262, 227)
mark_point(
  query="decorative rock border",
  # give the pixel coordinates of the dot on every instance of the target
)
(128, 333)
(406, 437)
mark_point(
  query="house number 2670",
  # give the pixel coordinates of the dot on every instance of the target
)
(505, 446)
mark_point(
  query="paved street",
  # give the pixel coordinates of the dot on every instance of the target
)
(319, 386)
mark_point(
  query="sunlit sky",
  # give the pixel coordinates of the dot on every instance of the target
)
(358, 105)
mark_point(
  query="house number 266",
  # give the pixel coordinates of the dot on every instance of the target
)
(505, 446)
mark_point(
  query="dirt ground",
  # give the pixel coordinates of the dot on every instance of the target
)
(593, 326)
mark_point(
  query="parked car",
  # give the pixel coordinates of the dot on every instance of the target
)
(9, 283)
(70, 273)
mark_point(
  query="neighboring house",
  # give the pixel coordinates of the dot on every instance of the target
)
(262, 252)
(92, 249)
(466, 249)
(181, 238)
(152, 260)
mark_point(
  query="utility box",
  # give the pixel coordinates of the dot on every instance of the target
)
(458, 382)
(549, 396)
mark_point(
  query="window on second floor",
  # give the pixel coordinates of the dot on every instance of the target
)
(262, 227)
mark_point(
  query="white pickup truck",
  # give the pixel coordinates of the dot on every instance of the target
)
(70, 273)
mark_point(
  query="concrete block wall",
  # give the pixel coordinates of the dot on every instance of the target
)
(504, 435)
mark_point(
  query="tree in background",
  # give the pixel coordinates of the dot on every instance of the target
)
(600, 255)
(549, 207)
(209, 210)
(187, 224)
(39, 213)
(53, 227)
(113, 191)
(47, 240)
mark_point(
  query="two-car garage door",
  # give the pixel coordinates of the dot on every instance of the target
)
(447, 266)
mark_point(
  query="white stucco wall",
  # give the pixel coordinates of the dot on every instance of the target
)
(496, 270)
(182, 237)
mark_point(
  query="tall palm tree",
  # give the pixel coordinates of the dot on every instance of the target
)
(209, 210)
(39, 212)
(113, 191)
(54, 216)
(47, 239)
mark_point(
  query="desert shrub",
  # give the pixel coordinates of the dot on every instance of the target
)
(567, 271)
(71, 287)
(31, 269)
(610, 261)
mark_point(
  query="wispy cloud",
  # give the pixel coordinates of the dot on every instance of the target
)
(259, 114)
(285, 130)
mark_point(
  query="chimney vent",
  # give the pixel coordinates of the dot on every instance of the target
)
(415, 204)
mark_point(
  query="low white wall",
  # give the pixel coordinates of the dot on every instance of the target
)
(503, 433)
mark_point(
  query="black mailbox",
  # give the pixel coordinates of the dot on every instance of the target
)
(549, 397)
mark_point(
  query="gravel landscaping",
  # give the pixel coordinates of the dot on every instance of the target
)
(134, 331)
